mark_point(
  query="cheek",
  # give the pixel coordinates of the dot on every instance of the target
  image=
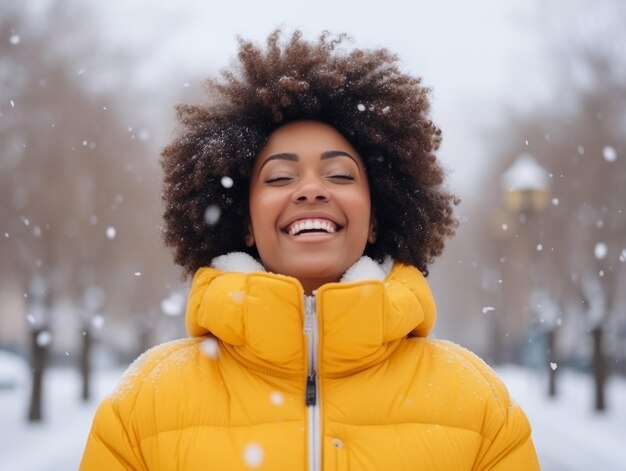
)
(359, 204)
(358, 208)
(264, 209)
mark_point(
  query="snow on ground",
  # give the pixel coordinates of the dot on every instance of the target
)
(56, 443)
(566, 431)
(568, 435)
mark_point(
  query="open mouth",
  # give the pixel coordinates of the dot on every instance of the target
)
(311, 226)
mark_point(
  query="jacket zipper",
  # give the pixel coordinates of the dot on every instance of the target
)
(312, 388)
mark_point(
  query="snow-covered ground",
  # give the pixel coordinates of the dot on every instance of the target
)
(568, 435)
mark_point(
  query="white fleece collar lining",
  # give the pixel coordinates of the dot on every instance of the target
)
(363, 269)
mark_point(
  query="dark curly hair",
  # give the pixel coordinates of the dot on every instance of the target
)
(382, 111)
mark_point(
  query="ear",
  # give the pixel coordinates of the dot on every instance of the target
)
(371, 237)
(249, 236)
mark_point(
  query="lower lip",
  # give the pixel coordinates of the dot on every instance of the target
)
(313, 237)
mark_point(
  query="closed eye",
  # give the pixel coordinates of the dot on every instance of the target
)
(278, 180)
(341, 177)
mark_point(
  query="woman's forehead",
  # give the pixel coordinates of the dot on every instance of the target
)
(304, 138)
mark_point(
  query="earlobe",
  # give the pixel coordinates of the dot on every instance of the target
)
(371, 237)
(249, 237)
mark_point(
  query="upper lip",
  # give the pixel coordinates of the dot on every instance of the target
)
(301, 217)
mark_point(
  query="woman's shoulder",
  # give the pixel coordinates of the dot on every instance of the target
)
(466, 363)
(464, 382)
(156, 366)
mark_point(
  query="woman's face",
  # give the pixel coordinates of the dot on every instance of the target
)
(310, 213)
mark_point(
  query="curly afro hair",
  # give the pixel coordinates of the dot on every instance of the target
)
(382, 111)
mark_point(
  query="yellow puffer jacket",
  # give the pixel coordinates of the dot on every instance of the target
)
(274, 380)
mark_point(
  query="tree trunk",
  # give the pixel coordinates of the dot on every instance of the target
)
(599, 368)
(38, 363)
(85, 364)
(550, 345)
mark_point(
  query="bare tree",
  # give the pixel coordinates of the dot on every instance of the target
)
(79, 187)
(579, 138)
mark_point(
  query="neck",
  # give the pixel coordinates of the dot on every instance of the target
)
(312, 285)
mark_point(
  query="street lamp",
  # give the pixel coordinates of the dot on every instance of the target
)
(526, 186)
(526, 191)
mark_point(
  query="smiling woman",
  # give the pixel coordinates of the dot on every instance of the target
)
(309, 310)
(379, 110)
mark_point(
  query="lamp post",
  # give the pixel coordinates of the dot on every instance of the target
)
(526, 186)
(526, 192)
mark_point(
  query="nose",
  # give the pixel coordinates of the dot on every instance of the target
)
(309, 191)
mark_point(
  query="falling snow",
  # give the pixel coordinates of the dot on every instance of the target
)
(212, 215)
(487, 309)
(111, 232)
(137, 273)
(253, 455)
(600, 250)
(227, 182)
(622, 256)
(361, 107)
(43, 338)
(554, 366)
(173, 305)
(276, 398)
(97, 321)
(555, 201)
(14, 39)
(12, 104)
(609, 153)
(539, 247)
(210, 348)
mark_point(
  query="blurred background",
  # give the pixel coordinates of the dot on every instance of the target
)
(531, 98)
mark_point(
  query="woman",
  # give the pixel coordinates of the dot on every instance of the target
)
(307, 203)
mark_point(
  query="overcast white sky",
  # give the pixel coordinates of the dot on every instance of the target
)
(478, 56)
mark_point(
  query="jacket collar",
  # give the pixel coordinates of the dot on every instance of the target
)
(259, 316)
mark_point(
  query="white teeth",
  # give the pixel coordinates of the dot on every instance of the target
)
(309, 224)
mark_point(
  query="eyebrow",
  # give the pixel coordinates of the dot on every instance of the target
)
(329, 154)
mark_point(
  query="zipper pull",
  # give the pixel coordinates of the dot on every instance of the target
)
(311, 389)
